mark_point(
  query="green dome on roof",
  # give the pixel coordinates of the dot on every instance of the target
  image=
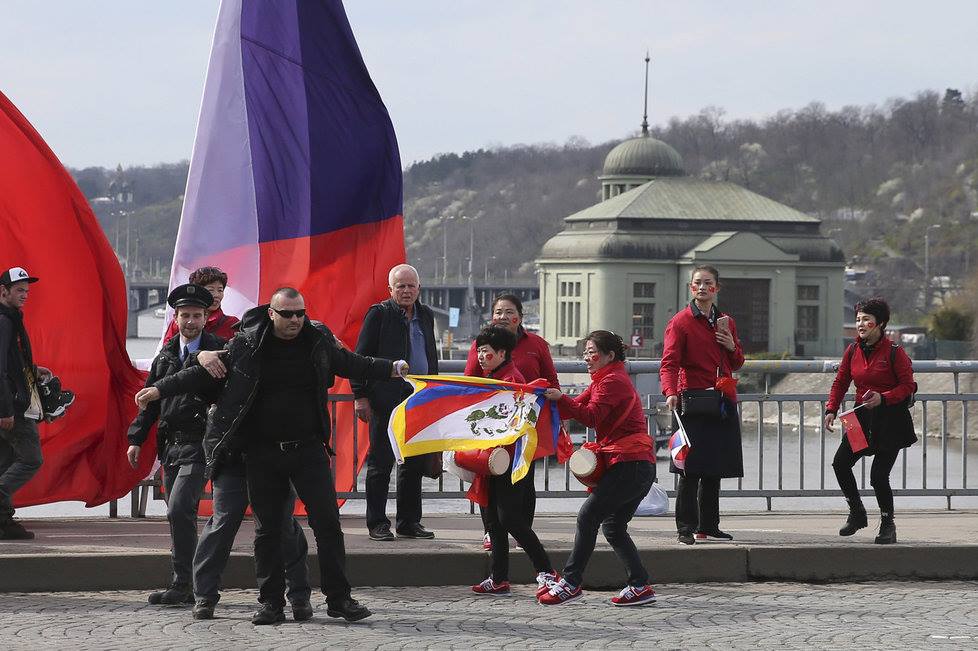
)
(643, 156)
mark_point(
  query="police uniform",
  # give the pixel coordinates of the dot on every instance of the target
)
(179, 434)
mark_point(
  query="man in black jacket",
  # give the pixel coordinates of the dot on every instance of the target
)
(20, 403)
(179, 435)
(399, 328)
(273, 406)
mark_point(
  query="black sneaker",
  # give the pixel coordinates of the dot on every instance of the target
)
(301, 610)
(54, 400)
(686, 539)
(349, 609)
(13, 530)
(175, 595)
(203, 609)
(415, 531)
(381, 532)
(268, 614)
(703, 536)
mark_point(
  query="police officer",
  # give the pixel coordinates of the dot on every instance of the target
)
(180, 434)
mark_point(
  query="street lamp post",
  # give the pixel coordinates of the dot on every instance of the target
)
(927, 264)
(491, 257)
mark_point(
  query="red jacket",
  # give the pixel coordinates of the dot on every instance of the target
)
(613, 408)
(531, 356)
(506, 372)
(895, 383)
(691, 354)
(218, 323)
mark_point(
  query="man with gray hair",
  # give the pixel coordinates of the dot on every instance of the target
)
(398, 328)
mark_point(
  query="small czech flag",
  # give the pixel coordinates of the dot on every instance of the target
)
(679, 446)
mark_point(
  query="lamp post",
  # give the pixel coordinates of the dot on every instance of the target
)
(927, 264)
(491, 257)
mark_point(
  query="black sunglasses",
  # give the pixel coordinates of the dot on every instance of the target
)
(288, 314)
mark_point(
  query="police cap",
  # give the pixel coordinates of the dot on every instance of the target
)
(190, 294)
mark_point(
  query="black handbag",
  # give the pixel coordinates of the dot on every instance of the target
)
(701, 402)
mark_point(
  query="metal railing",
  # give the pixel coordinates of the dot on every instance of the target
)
(792, 423)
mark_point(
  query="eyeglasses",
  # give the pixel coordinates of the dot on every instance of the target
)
(288, 314)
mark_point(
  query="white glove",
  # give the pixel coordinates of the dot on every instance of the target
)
(401, 368)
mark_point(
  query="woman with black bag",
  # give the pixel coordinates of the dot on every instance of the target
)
(701, 351)
(883, 375)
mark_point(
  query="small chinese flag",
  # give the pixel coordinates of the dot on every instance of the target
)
(854, 431)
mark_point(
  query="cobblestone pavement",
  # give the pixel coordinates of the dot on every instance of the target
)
(904, 615)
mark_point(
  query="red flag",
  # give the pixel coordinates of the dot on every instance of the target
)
(76, 319)
(854, 431)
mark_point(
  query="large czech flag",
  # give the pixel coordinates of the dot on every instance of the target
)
(295, 177)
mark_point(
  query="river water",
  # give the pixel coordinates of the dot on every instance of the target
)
(813, 473)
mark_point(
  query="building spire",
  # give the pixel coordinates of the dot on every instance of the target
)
(645, 114)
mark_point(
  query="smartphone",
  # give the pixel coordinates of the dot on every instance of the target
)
(723, 323)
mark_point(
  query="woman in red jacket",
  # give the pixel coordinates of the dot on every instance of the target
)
(531, 356)
(218, 323)
(700, 348)
(884, 383)
(613, 408)
(506, 511)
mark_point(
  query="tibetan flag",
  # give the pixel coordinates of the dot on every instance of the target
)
(76, 320)
(854, 430)
(679, 445)
(295, 177)
(473, 413)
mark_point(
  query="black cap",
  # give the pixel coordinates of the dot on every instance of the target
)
(16, 275)
(190, 294)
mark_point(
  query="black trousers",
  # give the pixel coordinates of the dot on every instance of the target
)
(270, 470)
(610, 506)
(879, 474)
(380, 463)
(529, 502)
(506, 514)
(697, 504)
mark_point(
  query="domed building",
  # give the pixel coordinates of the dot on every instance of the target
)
(624, 263)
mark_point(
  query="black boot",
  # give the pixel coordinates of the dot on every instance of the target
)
(857, 518)
(176, 594)
(887, 534)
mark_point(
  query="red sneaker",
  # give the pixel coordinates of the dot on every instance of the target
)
(561, 593)
(491, 588)
(545, 581)
(487, 543)
(632, 596)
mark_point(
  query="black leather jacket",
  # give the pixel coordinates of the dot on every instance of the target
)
(182, 417)
(243, 360)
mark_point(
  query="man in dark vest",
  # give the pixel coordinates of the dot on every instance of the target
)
(399, 328)
(179, 436)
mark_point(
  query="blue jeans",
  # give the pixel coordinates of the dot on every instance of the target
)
(20, 459)
(230, 494)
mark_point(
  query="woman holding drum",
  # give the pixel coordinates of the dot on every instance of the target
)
(506, 512)
(700, 354)
(883, 375)
(613, 408)
(531, 356)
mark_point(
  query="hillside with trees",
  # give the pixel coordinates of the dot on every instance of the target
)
(878, 176)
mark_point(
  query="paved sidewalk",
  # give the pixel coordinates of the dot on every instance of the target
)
(134, 554)
(903, 615)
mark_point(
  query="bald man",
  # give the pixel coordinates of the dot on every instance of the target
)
(398, 328)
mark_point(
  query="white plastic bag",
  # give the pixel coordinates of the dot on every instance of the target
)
(656, 502)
